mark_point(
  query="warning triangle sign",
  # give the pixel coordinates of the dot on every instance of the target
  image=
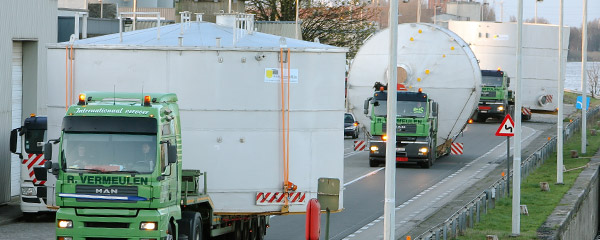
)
(507, 128)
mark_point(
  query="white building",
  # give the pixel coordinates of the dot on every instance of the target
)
(25, 28)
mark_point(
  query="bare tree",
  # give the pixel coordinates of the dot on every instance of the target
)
(342, 26)
(273, 10)
(488, 13)
(593, 73)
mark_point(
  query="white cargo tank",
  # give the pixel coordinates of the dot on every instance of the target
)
(495, 46)
(429, 57)
(228, 84)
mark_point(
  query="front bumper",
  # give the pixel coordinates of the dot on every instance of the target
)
(406, 151)
(491, 108)
(106, 226)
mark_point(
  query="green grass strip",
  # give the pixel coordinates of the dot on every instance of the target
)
(540, 204)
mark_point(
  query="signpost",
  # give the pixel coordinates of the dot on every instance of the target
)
(507, 129)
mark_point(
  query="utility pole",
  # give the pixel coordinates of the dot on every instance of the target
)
(583, 80)
(516, 200)
(561, 90)
(389, 228)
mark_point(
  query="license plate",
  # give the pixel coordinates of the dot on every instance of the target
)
(401, 159)
(400, 149)
(484, 111)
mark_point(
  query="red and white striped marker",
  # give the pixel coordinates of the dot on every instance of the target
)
(360, 146)
(549, 98)
(457, 148)
(278, 198)
(31, 161)
(525, 111)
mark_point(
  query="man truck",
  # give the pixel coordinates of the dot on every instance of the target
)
(37, 193)
(436, 69)
(497, 99)
(416, 127)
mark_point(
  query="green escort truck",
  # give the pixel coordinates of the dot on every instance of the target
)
(119, 175)
(416, 131)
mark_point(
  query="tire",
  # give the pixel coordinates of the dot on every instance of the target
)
(373, 163)
(480, 118)
(190, 225)
(261, 229)
(170, 232)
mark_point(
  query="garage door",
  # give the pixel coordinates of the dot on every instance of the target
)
(17, 105)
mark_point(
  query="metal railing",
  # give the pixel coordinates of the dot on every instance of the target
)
(471, 212)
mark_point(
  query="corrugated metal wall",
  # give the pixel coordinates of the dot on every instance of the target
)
(22, 20)
(279, 28)
(166, 13)
(208, 7)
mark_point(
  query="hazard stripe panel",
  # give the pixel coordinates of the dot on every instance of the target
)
(360, 146)
(31, 161)
(457, 148)
(278, 198)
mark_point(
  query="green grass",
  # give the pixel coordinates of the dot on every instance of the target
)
(540, 204)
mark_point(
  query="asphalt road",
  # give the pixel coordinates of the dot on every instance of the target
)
(363, 198)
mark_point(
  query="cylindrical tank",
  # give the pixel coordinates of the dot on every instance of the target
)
(429, 57)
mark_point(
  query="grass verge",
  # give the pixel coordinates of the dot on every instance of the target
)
(540, 204)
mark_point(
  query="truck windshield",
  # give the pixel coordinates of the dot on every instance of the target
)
(413, 109)
(109, 152)
(490, 81)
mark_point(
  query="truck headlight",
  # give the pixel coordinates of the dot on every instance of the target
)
(500, 108)
(350, 127)
(374, 148)
(423, 150)
(65, 238)
(28, 191)
(148, 226)
(65, 224)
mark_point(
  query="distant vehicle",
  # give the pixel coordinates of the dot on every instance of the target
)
(350, 126)
(428, 63)
(496, 99)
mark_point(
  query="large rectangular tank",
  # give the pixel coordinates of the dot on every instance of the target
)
(495, 46)
(230, 98)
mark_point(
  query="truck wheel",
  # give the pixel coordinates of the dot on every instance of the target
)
(373, 163)
(480, 118)
(237, 234)
(170, 232)
(190, 225)
(261, 229)
(426, 164)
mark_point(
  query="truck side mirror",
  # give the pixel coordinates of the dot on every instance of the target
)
(13, 141)
(55, 168)
(48, 151)
(172, 154)
(48, 165)
(366, 105)
(507, 81)
(434, 109)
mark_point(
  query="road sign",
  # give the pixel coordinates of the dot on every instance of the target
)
(579, 103)
(507, 127)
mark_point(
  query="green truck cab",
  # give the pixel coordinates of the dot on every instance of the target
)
(496, 100)
(416, 131)
(119, 174)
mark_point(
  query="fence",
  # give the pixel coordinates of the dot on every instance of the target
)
(471, 212)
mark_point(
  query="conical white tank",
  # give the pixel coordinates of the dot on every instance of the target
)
(429, 57)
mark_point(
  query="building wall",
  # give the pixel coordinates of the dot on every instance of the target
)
(209, 8)
(471, 10)
(35, 23)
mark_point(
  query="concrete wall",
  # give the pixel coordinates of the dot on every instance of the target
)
(470, 10)
(576, 217)
(34, 22)
(209, 8)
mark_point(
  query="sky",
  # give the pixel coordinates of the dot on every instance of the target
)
(549, 9)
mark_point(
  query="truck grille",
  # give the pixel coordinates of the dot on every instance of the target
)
(488, 94)
(106, 225)
(109, 191)
(407, 128)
